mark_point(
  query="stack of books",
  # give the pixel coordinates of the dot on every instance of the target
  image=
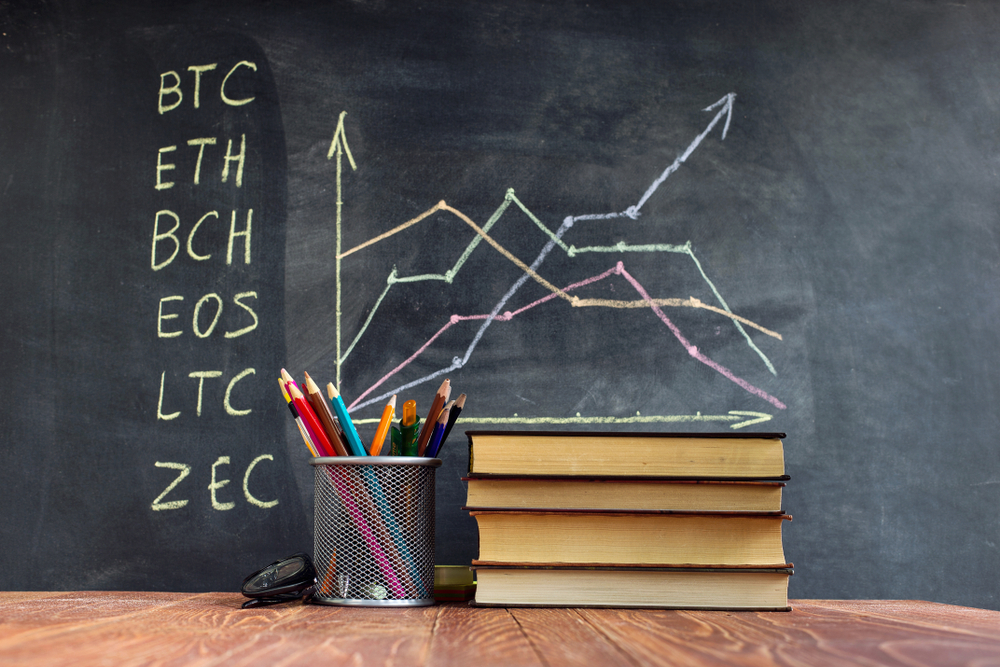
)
(690, 521)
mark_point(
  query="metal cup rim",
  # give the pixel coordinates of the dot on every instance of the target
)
(375, 461)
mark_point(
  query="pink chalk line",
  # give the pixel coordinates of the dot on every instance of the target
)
(618, 269)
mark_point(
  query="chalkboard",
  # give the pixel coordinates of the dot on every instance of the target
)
(586, 215)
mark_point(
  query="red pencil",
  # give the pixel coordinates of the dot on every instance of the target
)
(309, 417)
(325, 417)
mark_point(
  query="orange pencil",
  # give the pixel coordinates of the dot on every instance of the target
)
(383, 426)
(440, 398)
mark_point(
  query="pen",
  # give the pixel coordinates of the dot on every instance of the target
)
(326, 420)
(440, 398)
(383, 426)
(298, 420)
(353, 439)
(408, 425)
(434, 443)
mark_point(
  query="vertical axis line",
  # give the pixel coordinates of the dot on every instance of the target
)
(338, 146)
(340, 205)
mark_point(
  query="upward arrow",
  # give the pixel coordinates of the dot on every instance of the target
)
(339, 143)
(339, 146)
(727, 110)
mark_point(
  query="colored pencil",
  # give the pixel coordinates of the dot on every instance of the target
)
(323, 445)
(322, 409)
(298, 420)
(383, 426)
(434, 443)
(346, 495)
(353, 439)
(440, 398)
(306, 426)
(288, 378)
(453, 417)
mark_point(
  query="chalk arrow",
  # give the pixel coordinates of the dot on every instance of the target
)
(338, 146)
(760, 417)
(727, 110)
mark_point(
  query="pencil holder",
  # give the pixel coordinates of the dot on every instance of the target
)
(374, 530)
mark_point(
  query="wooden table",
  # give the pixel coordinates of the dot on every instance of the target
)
(101, 628)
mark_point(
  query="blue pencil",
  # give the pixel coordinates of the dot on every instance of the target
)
(437, 435)
(351, 433)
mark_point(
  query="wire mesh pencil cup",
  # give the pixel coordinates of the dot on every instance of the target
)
(373, 530)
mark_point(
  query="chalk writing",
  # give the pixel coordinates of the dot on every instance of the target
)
(214, 245)
(174, 93)
(215, 485)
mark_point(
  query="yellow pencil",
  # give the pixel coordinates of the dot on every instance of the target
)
(298, 420)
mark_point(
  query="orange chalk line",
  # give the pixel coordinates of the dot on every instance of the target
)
(575, 301)
(691, 302)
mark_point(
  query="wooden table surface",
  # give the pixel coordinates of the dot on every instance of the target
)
(132, 628)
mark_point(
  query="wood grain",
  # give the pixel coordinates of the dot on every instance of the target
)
(564, 638)
(135, 628)
(479, 637)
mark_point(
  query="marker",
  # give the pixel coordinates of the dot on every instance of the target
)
(323, 446)
(434, 443)
(353, 439)
(396, 442)
(440, 398)
(298, 420)
(408, 429)
(453, 417)
(326, 420)
(383, 426)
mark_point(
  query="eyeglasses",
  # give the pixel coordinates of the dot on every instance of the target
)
(283, 580)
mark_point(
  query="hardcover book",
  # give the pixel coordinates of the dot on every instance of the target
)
(624, 538)
(625, 454)
(637, 495)
(666, 588)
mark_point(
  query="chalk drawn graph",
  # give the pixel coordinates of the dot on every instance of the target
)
(384, 387)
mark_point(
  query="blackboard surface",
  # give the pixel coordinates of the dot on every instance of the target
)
(611, 216)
